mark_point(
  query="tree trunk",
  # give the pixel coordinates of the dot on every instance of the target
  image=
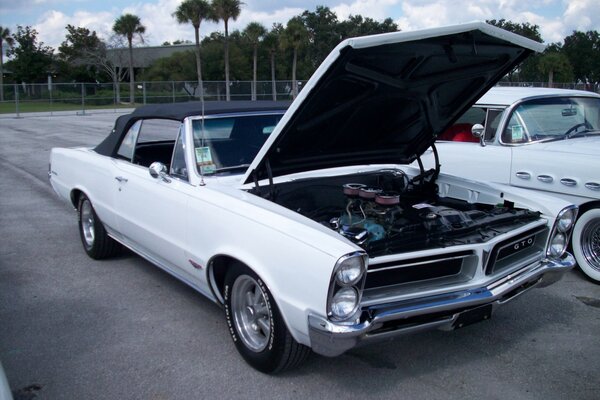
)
(1, 72)
(131, 78)
(550, 78)
(254, 57)
(199, 62)
(227, 94)
(294, 83)
(273, 88)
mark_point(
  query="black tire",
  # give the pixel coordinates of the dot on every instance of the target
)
(96, 242)
(270, 350)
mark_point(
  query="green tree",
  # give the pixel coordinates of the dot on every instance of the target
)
(271, 43)
(528, 70)
(129, 25)
(5, 37)
(556, 66)
(294, 36)
(254, 33)
(356, 25)
(194, 12)
(75, 54)
(31, 60)
(224, 10)
(323, 34)
(583, 51)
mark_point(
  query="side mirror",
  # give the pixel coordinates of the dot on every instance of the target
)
(159, 170)
(477, 130)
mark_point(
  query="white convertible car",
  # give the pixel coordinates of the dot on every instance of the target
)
(547, 140)
(306, 223)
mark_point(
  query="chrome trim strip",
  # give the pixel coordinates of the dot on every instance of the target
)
(593, 186)
(523, 175)
(568, 182)
(545, 178)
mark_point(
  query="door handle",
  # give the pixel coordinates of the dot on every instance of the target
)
(523, 175)
(121, 179)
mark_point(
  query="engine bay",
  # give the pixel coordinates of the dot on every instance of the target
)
(387, 212)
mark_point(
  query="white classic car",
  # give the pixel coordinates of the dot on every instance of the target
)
(542, 139)
(308, 226)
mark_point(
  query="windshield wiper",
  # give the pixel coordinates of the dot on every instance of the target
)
(233, 168)
(583, 133)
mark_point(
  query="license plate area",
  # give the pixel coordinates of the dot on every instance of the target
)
(473, 316)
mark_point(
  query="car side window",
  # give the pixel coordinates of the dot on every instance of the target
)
(178, 167)
(128, 144)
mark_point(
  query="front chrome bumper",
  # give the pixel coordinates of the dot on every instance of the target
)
(443, 311)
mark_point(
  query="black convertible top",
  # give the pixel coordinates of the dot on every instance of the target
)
(178, 112)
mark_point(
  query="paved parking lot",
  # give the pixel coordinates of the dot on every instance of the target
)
(74, 328)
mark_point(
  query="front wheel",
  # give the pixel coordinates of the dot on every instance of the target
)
(256, 325)
(96, 242)
(586, 243)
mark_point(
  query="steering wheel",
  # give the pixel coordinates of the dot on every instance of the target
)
(577, 126)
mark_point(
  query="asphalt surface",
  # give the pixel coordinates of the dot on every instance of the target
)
(75, 328)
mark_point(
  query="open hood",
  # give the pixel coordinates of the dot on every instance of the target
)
(383, 99)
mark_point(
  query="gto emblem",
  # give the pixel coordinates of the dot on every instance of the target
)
(523, 243)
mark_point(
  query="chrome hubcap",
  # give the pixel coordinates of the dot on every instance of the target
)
(590, 243)
(250, 313)
(87, 223)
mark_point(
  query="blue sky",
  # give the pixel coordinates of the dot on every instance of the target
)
(556, 18)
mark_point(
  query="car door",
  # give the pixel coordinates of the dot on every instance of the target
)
(151, 212)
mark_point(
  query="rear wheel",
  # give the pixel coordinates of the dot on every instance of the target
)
(586, 243)
(96, 242)
(256, 325)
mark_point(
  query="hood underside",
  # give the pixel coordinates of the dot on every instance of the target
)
(384, 99)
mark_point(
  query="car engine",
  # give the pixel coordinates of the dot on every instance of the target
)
(386, 211)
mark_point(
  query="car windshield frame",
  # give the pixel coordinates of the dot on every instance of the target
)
(527, 114)
(220, 146)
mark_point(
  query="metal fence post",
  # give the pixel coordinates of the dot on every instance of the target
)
(173, 85)
(17, 99)
(144, 91)
(83, 99)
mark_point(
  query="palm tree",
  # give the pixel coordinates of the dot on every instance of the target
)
(225, 10)
(194, 12)
(5, 36)
(129, 25)
(271, 42)
(254, 32)
(294, 36)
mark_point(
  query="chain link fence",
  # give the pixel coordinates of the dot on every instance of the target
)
(20, 99)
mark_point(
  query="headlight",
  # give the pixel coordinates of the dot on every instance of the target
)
(350, 270)
(344, 303)
(557, 246)
(565, 220)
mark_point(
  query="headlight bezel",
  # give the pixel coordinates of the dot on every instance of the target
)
(337, 284)
(565, 232)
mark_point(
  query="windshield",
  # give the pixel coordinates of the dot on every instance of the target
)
(230, 143)
(552, 118)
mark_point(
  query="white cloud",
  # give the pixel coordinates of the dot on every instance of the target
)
(376, 9)
(51, 26)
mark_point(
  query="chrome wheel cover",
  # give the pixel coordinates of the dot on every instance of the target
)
(251, 314)
(87, 223)
(590, 243)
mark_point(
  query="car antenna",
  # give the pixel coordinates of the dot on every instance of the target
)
(202, 183)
